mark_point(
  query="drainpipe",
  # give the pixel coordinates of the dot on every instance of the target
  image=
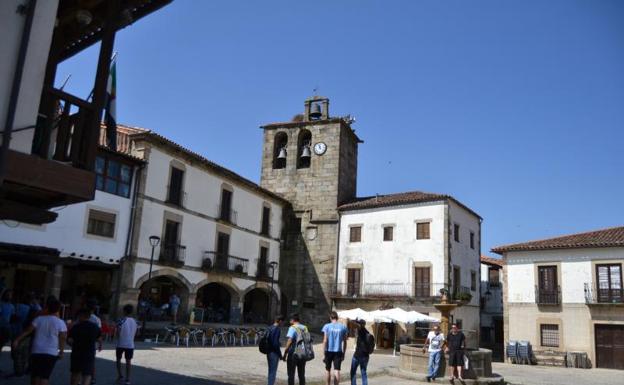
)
(17, 82)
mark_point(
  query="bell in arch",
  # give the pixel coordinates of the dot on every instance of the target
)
(316, 113)
(282, 153)
(305, 153)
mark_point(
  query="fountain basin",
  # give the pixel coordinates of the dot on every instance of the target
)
(414, 363)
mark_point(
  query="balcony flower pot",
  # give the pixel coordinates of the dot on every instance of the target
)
(207, 264)
(464, 298)
(238, 269)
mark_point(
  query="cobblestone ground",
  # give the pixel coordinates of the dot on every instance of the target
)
(160, 364)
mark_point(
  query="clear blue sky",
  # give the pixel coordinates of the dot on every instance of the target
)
(516, 108)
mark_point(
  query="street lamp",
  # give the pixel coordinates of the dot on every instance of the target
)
(154, 241)
(272, 265)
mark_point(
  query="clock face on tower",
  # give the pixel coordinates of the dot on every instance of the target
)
(320, 148)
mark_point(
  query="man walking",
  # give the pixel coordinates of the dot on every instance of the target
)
(82, 337)
(456, 343)
(275, 351)
(363, 348)
(126, 331)
(435, 343)
(292, 363)
(48, 343)
(334, 346)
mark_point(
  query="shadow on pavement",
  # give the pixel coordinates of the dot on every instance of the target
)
(106, 374)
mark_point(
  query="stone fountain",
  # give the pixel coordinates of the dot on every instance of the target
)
(414, 361)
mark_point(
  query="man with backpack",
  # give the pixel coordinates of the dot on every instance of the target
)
(270, 345)
(298, 350)
(364, 346)
(334, 346)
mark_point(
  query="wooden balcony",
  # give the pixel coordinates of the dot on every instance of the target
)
(59, 170)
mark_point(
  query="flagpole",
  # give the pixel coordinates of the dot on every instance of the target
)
(112, 59)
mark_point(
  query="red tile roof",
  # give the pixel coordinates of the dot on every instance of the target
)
(399, 199)
(492, 261)
(138, 133)
(612, 237)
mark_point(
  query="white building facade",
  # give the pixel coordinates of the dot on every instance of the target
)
(402, 249)
(219, 234)
(78, 255)
(565, 295)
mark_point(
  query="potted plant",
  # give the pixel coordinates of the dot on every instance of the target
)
(239, 269)
(464, 297)
(207, 264)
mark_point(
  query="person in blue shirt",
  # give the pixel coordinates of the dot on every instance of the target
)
(334, 345)
(291, 362)
(7, 310)
(275, 352)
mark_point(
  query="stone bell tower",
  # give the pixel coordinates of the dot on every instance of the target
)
(312, 162)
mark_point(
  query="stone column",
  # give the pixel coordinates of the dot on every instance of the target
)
(236, 311)
(57, 280)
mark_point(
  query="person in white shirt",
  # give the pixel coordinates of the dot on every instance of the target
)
(126, 331)
(48, 344)
(435, 341)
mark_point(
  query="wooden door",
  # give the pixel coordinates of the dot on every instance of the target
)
(353, 282)
(609, 346)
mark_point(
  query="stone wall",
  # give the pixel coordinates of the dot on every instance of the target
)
(307, 270)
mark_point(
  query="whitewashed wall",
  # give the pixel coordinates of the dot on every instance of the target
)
(12, 25)
(68, 232)
(576, 270)
(202, 195)
(392, 262)
(462, 255)
(494, 302)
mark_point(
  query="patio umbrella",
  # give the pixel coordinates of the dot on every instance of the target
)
(353, 314)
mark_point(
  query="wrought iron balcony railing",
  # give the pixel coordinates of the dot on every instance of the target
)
(172, 255)
(423, 291)
(548, 296)
(222, 262)
(597, 295)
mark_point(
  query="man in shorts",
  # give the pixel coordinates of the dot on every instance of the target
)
(48, 343)
(456, 343)
(82, 337)
(126, 331)
(334, 345)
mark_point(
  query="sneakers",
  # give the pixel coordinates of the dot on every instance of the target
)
(428, 379)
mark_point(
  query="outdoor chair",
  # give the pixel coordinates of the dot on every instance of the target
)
(237, 335)
(195, 334)
(252, 334)
(222, 336)
(524, 352)
(185, 335)
(512, 351)
(209, 335)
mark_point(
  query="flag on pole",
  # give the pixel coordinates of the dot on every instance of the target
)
(110, 117)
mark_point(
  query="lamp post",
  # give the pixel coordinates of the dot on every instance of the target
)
(154, 241)
(272, 265)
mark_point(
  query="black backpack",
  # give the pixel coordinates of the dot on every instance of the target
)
(264, 345)
(370, 343)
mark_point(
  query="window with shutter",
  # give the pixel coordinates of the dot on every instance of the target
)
(609, 285)
(422, 282)
(422, 230)
(388, 233)
(355, 234)
(266, 218)
(175, 186)
(353, 282)
(226, 205)
(547, 285)
(101, 223)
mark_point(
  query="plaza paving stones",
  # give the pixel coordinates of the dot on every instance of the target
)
(164, 364)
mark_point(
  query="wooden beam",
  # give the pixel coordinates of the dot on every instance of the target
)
(20, 212)
(48, 175)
